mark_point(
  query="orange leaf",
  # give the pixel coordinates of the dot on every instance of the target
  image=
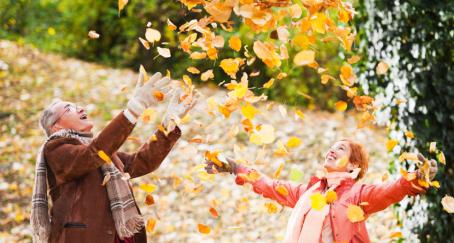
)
(214, 212)
(355, 213)
(158, 95)
(149, 200)
(204, 229)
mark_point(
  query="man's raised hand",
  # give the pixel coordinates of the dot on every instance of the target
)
(144, 94)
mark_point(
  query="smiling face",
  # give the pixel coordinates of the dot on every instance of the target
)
(71, 116)
(337, 159)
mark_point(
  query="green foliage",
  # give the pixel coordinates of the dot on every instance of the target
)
(417, 40)
(62, 26)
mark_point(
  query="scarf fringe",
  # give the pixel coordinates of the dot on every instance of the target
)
(133, 225)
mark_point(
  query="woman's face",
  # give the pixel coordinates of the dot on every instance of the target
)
(337, 158)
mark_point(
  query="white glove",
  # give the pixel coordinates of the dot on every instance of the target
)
(144, 95)
(178, 109)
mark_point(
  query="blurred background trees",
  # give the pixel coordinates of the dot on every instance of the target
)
(417, 39)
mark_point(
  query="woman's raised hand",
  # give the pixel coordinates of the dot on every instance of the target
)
(432, 170)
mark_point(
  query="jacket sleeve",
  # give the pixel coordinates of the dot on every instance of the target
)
(150, 155)
(69, 159)
(270, 188)
(379, 197)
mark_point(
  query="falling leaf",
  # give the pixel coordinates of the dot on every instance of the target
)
(342, 162)
(441, 158)
(231, 66)
(171, 25)
(144, 43)
(293, 142)
(341, 105)
(249, 111)
(325, 78)
(282, 190)
(331, 196)
(149, 200)
(448, 203)
(198, 55)
(151, 223)
(207, 75)
(193, 70)
(204, 229)
(354, 59)
(220, 11)
(407, 176)
(281, 150)
(382, 68)
(148, 114)
(235, 43)
(318, 21)
(214, 212)
(104, 156)
(347, 75)
(121, 5)
(355, 213)
(266, 52)
(409, 135)
(395, 234)
(213, 157)
(296, 175)
(281, 76)
(148, 187)
(277, 173)
(318, 201)
(268, 84)
(300, 114)
(304, 57)
(264, 136)
(196, 140)
(164, 52)
(433, 147)
(152, 35)
(271, 207)
(408, 156)
(390, 144)
(106, 179)
(295, 11)
(93, 35)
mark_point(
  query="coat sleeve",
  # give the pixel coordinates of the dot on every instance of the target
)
(69, 159)
(270, 188)
(150, 155)
(379, 197)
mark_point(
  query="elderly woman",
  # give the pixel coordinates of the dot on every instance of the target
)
(345, 163)
(91, 198)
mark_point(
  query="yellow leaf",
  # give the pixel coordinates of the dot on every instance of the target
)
(409, 135)
(171, 25)
(435, 184)
(277, 173)
(281, 150)
(281, 76)
(408, 156)
(106, 179)
(220, 11)
(164, 52)
(301, 41)
(441, 158)
(331, 196)
(266, 52)
(325, 78)
(347, 75)
(355, 213)
(293, 142)
(282, 190)
(295, 11)
(151, 223)
(354, 59)
(264, 136)
(152, 35)
(144, 43)
(268, 84)
(341, 105)
(231, 66)
(390, 144)
(198, 55)
(148, 187)
(204, 229)
(121, 5)
(193, 70)
(300, 114)
(235, 43)
(382, 68)
(187, 80)
(407, 176)
(148, 114)
(396, 234)
(207, 75)
(448, 203)
(249, 111)
(104, 156)
(144, 73)
(342, 162)
(318, 22)
(304, 57)
(213, 157)
(271, 207)
(318, 201)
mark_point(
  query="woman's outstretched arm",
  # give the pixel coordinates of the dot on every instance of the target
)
(283, 192)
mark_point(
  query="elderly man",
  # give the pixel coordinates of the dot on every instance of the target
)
(92, 200)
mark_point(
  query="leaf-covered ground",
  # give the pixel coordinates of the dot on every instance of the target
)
(29, 80)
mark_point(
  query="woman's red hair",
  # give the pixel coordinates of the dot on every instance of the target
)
(358, 156)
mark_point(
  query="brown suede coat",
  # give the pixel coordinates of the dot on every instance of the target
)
(80, 209)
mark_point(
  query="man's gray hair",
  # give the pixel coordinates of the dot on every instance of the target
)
(48, 118)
